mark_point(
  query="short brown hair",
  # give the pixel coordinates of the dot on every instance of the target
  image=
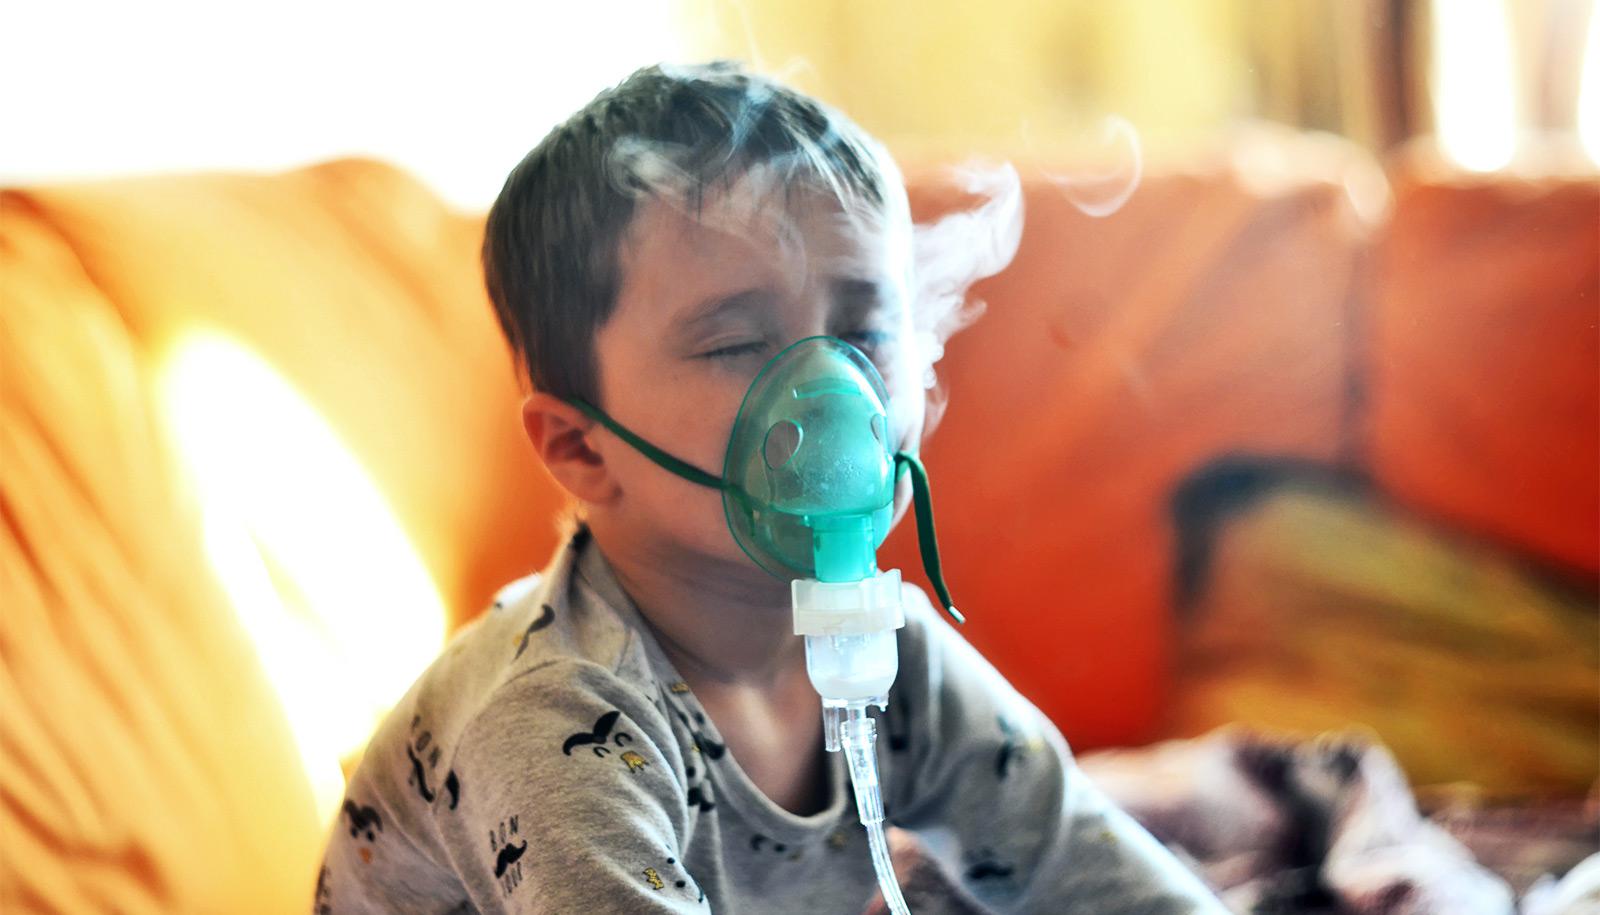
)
(552, 240)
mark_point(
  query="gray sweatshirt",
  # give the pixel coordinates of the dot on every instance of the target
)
(551, 760)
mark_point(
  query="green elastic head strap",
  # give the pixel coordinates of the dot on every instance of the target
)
(682, 468)
(927, 540)
(922, 501)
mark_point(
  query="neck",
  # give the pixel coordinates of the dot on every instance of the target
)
(724, 627)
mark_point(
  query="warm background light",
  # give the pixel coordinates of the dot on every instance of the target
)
(107, 88)
(458, 99)
(322, 576)
(1588, 114)
(1473, 91)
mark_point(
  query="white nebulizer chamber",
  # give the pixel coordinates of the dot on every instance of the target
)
(852, 657)
(854, 666)
(851, 653)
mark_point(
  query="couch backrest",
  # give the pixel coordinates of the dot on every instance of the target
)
(147, 764)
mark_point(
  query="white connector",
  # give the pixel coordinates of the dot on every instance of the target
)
(852, 658)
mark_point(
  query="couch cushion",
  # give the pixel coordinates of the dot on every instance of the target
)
(1115, 355)
(145, 765)
(1482, 363)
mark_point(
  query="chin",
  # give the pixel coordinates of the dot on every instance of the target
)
(714, 543)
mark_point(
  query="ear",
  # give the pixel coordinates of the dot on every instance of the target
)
(560, 433)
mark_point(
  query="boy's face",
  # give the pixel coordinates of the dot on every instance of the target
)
(706, 299)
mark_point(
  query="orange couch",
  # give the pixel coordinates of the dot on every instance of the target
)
(144, 763)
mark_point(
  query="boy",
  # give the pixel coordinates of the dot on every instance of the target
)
(633, 729)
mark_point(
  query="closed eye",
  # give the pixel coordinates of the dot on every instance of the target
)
(870, 339)
(737, 349)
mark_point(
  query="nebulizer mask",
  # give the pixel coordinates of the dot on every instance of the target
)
(808, 489)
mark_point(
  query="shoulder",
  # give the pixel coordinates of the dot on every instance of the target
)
(920, 615)
(947, 686)
(569, 722)
(566, 742)
(555, 665)
(561, 690)
(932, 650)
(539, 656)
(546, 634)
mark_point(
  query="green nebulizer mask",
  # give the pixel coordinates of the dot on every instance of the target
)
(808, 487)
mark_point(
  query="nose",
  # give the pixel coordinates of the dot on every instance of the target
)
(806, 313)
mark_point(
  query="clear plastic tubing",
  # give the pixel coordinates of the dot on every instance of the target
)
(852, 672)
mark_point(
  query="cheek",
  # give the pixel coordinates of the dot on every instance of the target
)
(682, 411)
(676, 411)
(706, 410)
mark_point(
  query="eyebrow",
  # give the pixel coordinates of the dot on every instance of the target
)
(715, 307)
(851, 290)
(854, 298)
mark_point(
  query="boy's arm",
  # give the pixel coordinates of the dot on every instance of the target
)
(988, 783)
(559, 796)
(569, 801)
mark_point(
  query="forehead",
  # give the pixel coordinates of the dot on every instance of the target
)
(777, 240)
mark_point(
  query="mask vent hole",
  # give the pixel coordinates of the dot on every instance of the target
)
(880, 429)
(782, 441)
